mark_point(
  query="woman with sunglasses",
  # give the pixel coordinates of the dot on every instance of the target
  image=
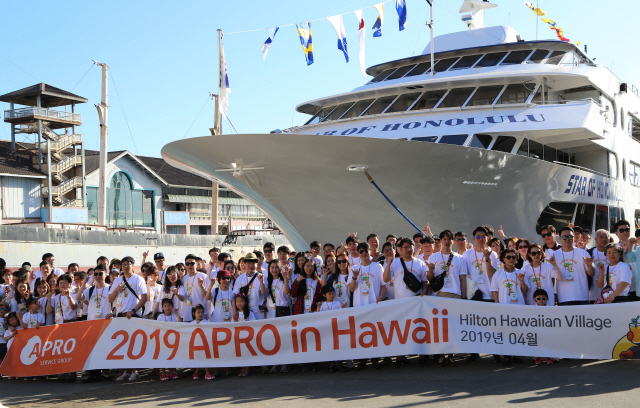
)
(522, 245)
(114, 264)
(181, 268)
(508, 286)
(233, 270)
(173, 289)
(539, 275)
(339, 280)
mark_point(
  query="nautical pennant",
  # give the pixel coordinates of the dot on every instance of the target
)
(401, 8)
(360, 15)
(377, 26)
(338, 25)
(304, 31)
(533, 8)
(223, 86)
(267, 44)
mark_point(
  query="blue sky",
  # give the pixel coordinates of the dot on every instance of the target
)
(163, 56)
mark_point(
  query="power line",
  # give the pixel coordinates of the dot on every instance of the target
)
(113, 80)
(17, 66)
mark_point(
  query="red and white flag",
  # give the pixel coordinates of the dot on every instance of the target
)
(361, 35)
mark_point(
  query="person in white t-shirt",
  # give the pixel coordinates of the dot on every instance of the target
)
(339, 279)
(196, 284)
(539, 275)
(173, 289)
(63, 305)
(278, 299)
(33, 319)
(51, 260)
(255, 285)
(548, 234)
(4, 311)
(331, 303)
(12, 325)
(508, 286)
(389, 252)
(451, 264)
(574, 264)
(222, 298)
(198, 317)
(169, 314)
(366, 279)
(214, 264)
(352, 249)
(96, 297)
(269, 250)
(599, 258)
(618, 274)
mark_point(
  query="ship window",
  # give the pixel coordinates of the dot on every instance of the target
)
(557, 213)
(549, 154)
(465, 62)
(536, 150)
(429, 100)
(602, 217)
(634, 174)
(489, 60)
(430, 139)
(320, 115)
(485, 95)
(420, 69)
(523, 150)
(516, 57)
(456, 98)
(357, 109)
(584, 216)
(480, 141)
(444, 64)
(634, 128)
(457, 140)
(516, 93)
(380, 105)
(337, 112)
(613, 165)
(381, 76)
(615, 214)
(556, 57)
(400, 72)
(504, 144)
(538, 96)
(403, 102)
(538, 56)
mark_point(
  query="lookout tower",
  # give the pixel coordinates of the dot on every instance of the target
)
(45, 114)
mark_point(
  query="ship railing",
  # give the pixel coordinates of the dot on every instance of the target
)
(583, 169)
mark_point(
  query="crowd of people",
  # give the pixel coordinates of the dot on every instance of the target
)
(276, 282)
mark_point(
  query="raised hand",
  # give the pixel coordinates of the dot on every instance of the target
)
(7, 289)
(486, 252)
(201, 282)
(353, 234)
(145, 254)
(261, 278)
(520, 277)
(325, 270)
(552, 260)
(300, 278)
(319, 304)
(501, 233)
(587, 261)
(175, 291)
(427, 230)
(469, 245)
(601, 267)
(432, 266)
(121, 286)
(355, 273)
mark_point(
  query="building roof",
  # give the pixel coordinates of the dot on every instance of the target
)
(172, 175)
(50, 96)
(92, 159)
(19, 163)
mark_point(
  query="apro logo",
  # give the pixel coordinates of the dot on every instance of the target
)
(35, 349)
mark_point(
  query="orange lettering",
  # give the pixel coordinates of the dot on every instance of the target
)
(276, 335)
(426, 330)
(351, 331)
(303, 338)
(372, 332)
(394, 326)
(203, 347)
(215, 343)
(246, 340)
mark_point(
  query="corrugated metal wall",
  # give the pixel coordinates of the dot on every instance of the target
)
(21, 197)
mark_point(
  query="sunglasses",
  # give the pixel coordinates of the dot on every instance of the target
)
(225, 278)
(362, 251)
(268, 251)
(115, 264)
(523, 247)
(341, 261)
(567, 237)
(98, 273)
(510, 257)
(481, 237)
(459, 239)
(189, 263)
(126, 264)
(231, 268)
(6, 309)
(547, 235)
(624, 230)
(535, 253)
(182, 270)
(541, 298)
(406, 247)
(316, 248)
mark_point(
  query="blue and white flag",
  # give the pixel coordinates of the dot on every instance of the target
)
(377, 26)
(304, 31)
(267, 44)
(401, 8)
(223, 85)
(338, 25)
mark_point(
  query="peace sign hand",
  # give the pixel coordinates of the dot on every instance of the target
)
(501, 233)
(587, 261)
(427, 230)
(520, 277)
(355, 273)
(601, 267)
(552, 260)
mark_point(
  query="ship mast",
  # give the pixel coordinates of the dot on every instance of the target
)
(103, 115)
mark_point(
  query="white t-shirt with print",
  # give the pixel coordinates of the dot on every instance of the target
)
(223, 306)
(575, 286)
(457, 268)
(327, 306)
(62, 309)
(48, 317)
(354, 260)
(195, 294)
(540, 277)
(255, 295)
(617, 274)
(368, 284)
(390, 293)
(508, 287)
(477, 269)
(416, 266)
(31, 319)
(171, 318)
(152, 295)
(251, 317)
(8, 334)
(127, 299)
(99, 306)
(177, 304)
(598, 258)
(341, 286)
(282, 299)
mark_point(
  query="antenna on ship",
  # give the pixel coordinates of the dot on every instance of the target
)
(430, 24)
(476, 8)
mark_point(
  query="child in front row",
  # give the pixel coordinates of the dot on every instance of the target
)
(11, 327)
(540, 296)
(244, 315)
(169, 314)
(331, 303)
(4, 310)
(197, 313)
(33, 319)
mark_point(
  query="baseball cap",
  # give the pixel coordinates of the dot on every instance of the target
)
(158, 255)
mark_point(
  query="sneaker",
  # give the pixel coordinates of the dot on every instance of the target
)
(274, 369)
(164, 377)
(173, 376)
(196, 376)
(284, 369)
(537, 360)
(85, 378)
(473, 358)
(265, 369)
(123, 377)
(442, 362)
(134, 376)
(548, 360)
(351, 364)
(209, 377)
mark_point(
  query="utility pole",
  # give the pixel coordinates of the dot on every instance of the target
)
(103, 115)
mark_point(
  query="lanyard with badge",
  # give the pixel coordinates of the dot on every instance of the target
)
(98, 308)
(568, 267)
(271, 302)
(537, 279)
(512, 288)
(479, 265)
(121, 294)
(447, 277)
(58, 317)
(189, 288)
(226, 307)
(365, 278)
(79, 308)
(307, 298)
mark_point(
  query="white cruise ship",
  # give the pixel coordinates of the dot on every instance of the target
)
(505, 132)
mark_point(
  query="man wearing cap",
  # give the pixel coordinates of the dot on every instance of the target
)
(256, 288)
(196, 284)
(158, 258)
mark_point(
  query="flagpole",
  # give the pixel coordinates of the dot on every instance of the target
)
(537, 20)
(220, 80)
(431, 28)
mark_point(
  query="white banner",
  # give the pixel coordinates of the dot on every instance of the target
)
(420, 325)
